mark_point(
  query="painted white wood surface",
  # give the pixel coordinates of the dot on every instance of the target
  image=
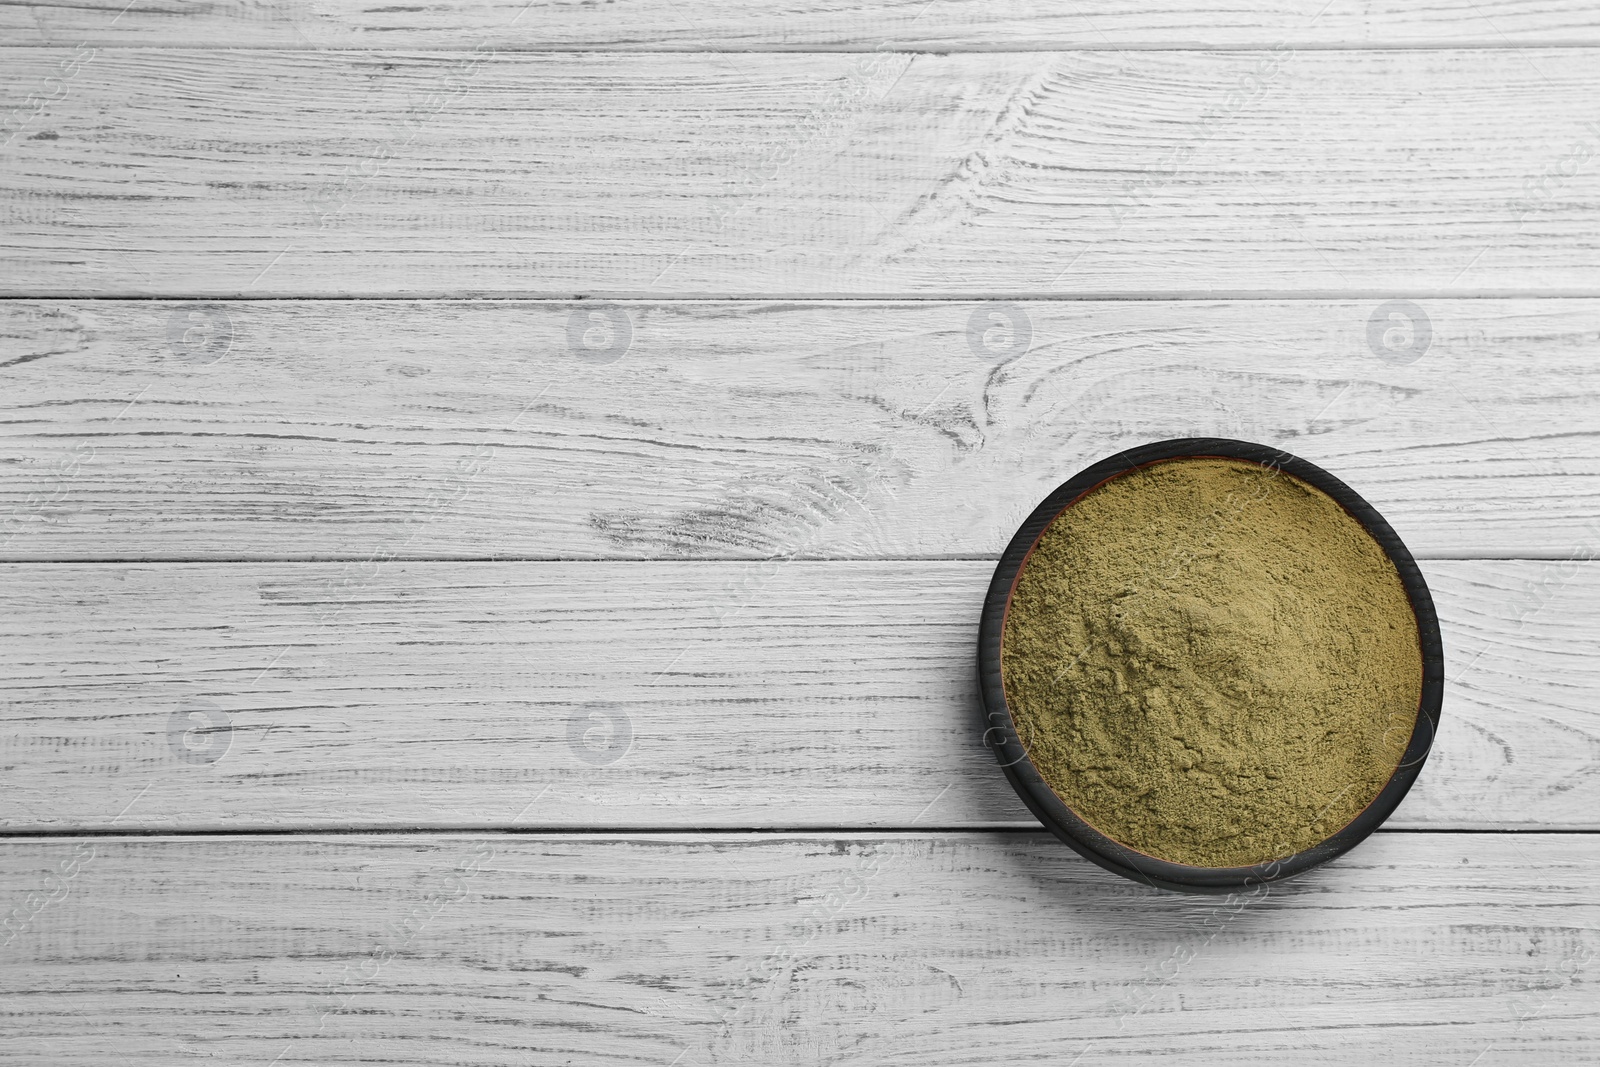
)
(451, 429)
(269, 173)
(845, 949)
(799, 694)
(232, 153)
(647, 25)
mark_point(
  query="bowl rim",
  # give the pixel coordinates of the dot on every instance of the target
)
(1000, 733)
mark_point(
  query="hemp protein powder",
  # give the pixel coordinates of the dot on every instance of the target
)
(1211, 662)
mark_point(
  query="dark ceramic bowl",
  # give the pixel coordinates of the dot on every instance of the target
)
(1000, 729)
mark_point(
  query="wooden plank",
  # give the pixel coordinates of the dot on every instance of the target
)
(949, 948)
(649, 25)
(182, 172)
(344, 429)
(677, 695)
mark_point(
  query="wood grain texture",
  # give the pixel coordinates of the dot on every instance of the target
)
(682, 695)
(939, 25)
(269, 173)
(655, 656)
(844, 949)
(344, 429)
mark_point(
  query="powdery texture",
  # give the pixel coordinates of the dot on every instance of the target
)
(1210, 661)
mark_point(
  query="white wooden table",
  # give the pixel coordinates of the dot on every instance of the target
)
(495, 502)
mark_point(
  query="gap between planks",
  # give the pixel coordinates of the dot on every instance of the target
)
(644, 48)
(199, 561)
(607, 833)
(645, 299)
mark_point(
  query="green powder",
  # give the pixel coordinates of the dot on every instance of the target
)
(1211, 662)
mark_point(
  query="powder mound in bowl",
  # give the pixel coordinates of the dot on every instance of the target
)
(1210, 661)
